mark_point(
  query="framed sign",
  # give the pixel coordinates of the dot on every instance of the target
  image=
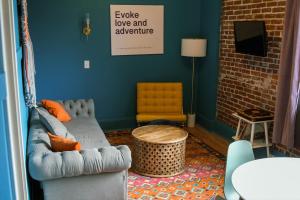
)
(137, 29)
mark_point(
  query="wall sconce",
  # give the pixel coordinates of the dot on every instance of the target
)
(87, 30)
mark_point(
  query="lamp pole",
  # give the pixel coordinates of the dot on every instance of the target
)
(193, 77)
(193, 47)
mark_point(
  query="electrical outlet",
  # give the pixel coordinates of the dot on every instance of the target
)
(86, 64)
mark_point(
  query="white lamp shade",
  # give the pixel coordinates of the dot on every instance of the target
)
(193, 47)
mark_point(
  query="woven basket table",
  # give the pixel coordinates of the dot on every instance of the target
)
(159, 150)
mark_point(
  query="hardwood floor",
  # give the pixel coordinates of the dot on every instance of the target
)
(211, 139)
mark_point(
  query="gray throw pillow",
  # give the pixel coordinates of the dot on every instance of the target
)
(53, 125)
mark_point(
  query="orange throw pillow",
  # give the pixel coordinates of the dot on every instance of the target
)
(56, 109)
(59, 143)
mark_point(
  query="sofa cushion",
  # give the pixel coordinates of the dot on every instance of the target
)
(87, 132)
(165, 116)
(51, 123)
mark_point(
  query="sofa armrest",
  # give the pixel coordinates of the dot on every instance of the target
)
(52, 165)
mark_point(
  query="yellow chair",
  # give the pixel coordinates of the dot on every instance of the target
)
(159, 101)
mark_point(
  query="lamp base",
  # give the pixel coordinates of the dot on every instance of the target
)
(191, 120)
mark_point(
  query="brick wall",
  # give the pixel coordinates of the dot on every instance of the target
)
(247, 81)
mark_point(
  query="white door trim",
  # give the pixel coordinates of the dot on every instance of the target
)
(13, 99)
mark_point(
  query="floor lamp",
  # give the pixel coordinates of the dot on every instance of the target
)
(193, 48)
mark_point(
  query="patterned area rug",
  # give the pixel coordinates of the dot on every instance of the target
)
(203, 177)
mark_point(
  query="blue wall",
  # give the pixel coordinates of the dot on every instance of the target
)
(60, 50)
(208, 68)
(208, 72)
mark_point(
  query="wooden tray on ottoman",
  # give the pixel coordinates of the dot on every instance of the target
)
(256, 114)
(159, 150)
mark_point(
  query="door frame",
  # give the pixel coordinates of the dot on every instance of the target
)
(15, 142)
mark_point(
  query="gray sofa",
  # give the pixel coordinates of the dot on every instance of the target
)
(97, 171)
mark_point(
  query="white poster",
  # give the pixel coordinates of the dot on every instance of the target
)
(137, 29)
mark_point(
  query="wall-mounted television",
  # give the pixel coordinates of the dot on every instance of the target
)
(250, 37)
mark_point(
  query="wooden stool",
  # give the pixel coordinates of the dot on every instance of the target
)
(253, 121)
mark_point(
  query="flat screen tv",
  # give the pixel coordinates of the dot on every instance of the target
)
(250, 37)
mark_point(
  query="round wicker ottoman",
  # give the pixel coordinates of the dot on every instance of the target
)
(159, 150)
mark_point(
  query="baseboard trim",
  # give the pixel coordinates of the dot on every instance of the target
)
(206, 123)
(224, 130)
(117, 123)
(216, 126)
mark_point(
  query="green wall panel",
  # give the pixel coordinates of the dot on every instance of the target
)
(208, 72)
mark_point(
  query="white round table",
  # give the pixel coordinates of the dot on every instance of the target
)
(268, 179)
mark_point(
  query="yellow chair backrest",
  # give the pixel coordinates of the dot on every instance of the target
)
(159, 97)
